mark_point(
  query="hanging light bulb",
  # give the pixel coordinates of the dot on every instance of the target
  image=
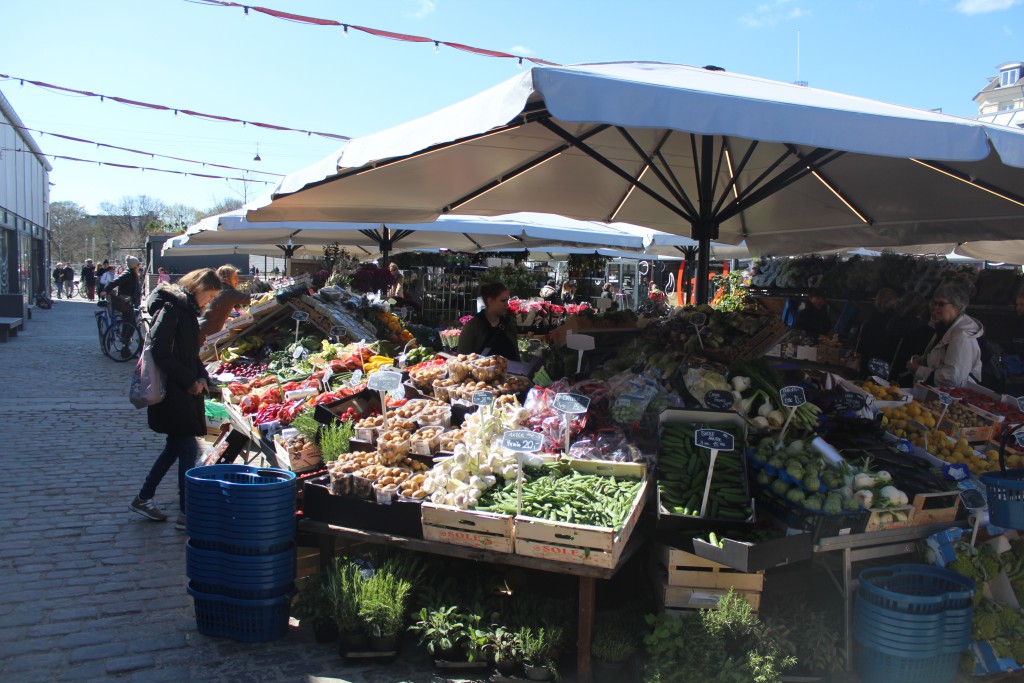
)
(257, 157)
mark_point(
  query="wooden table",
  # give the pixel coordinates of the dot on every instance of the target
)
(329, 533)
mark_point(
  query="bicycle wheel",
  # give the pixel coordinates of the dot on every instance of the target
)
(83, 291)
(101, 328)
(122, 341)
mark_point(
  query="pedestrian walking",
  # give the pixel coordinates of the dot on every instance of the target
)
(58, 278)
(88, 276)
(162, 276)
(181, 415)
(106, 277)
(69, 281)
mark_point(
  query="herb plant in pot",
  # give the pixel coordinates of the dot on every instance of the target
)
(346, 587)
(505, 649)
(314, 605)
(442, 630)
(382, 607)
(537, 647)
(613, 648)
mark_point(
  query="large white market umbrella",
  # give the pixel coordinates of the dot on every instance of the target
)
(716, 155)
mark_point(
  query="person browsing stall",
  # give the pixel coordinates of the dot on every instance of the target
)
(813, 318)
(953, 356)
(181, 415)
(215, 316)
(491, 331)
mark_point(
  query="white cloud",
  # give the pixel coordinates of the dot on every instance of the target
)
(522, 50)
(771, 13)
(423, 8)
(984, 6)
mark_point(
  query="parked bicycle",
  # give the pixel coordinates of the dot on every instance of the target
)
(121, 334)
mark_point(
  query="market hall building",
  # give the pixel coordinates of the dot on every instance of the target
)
(24, 212)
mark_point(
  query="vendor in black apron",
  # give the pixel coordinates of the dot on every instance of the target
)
(491, 332)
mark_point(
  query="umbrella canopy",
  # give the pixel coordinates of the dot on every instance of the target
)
(454, 232)
(1009, 251)
(715, 155)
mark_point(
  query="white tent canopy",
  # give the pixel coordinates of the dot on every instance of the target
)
(787, 168)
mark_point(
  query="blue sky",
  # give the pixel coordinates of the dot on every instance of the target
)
(920, 53)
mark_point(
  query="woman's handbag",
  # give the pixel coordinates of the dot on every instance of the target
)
(121, 304)
(149, 383)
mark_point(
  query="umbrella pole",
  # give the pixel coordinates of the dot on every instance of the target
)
(703, 267)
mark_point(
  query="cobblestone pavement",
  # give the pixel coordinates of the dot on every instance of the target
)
(92, 591)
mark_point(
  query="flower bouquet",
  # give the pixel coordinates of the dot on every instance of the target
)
(522, 312)
(450, 338)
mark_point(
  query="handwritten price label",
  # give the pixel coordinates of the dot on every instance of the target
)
(854, 401)
(483, 398)
(300, 316)
(714, 439)
(384, 380)
(571, 403)
(877, 366)
(792, 397)
(522, 441)
(718, 399)
(945, 399)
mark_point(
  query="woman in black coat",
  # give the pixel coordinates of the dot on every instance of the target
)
(174, 337)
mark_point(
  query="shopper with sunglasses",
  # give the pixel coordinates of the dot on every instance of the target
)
(953, 356)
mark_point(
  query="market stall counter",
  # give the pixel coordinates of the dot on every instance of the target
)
(330, 534)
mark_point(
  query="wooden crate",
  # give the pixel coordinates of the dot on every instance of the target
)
(677, 600)
(239, 322)
(308, 460)
(580, 543)
(485, 530)
(687, 570)
(875, 523)
(263, 307)
(935, 508)
(307, 561)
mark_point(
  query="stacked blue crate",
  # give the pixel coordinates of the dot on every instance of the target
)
(240, 557)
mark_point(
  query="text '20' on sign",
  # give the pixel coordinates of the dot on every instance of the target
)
(383, 380)
(571, 403)
(715, 439)
(719, 399)
(792, 397)
(300, 316)
(522, 441)
(483, 398)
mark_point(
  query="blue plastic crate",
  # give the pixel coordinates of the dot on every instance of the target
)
(239, 522)
(253, 621)
(1005, 492)
(916, 588)
(240, 477)
(877, 665)
(248, 548)
(272, 568)
(951, 620)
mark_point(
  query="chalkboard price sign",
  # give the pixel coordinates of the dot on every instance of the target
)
(1020, 403)
(384, 380)
(483, 398)
(357, 377)
(854, 401)
(300, 316)
(945, 399)
(715, 439)
(338, 331)
(718, 399)
(698, 319)
(878, 367)
(571, 403)
(1019, 437)
(522, 441)
(792, 397)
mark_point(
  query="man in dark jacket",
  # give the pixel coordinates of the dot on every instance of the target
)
(181, 415)
(216, 314)
(129, 283)
(69, 281)
(88, 276)
(58, 278)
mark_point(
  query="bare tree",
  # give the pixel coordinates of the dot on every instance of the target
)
(69, 227)
(178, 217)
(136, 216)
(223, 206)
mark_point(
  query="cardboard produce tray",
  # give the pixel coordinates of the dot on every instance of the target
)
(318, 503)
(692, 571)
(579, 543)
(747, 556)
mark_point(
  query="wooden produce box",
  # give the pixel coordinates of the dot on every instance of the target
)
(668, 521)
(264, 307)
(240, 321)
(875, 523)
(935, 508)
(484, 530)
(795, 546)
(580, 543)
(991, 423)
(679, 599)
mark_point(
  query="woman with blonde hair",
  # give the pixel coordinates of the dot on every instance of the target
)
(216, 314)
(181, 415)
